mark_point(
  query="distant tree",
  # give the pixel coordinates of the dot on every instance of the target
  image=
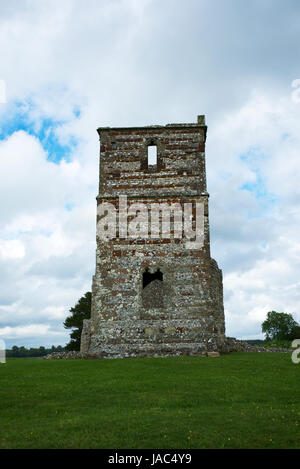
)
(15, 350)
(295, 334)
(279, 326)
(81, 311)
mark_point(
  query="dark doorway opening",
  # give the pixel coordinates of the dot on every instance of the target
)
(148, 277)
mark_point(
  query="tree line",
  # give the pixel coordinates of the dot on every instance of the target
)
(23, 352)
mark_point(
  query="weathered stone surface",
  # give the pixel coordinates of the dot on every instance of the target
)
(153, 296)
(63, 355)
(85, 336)
(213, 354)
(231, 344)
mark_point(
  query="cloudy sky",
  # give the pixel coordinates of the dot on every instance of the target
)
(69, 67)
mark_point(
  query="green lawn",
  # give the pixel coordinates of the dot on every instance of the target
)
(235, 401)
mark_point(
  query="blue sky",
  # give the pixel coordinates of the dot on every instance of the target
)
(142, 62)
(45, 130)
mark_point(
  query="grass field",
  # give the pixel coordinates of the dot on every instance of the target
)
(235, 401)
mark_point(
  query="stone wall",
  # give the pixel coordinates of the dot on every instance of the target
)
(188, 318)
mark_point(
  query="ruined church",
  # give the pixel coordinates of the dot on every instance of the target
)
(154, 294)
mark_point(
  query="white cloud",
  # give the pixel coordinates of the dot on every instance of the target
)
(47, 250)
(34, 330)
(11, 249)
(256, 237)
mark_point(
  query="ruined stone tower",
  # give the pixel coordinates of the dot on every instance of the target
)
(154, 295)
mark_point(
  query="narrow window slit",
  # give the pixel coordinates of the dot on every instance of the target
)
(152, 155)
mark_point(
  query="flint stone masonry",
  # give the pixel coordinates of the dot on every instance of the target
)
(180, 311)
(85, 336)
(153, 295)
(230, 345)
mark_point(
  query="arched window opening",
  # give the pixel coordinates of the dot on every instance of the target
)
(148, 277)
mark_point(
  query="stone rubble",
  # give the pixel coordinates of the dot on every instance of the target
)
(230, 345)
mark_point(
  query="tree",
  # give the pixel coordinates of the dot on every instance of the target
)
(81, 311)
(15, 351)
(295, 334)
(279, 326)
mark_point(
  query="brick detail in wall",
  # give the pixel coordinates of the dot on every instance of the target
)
(154, 297)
